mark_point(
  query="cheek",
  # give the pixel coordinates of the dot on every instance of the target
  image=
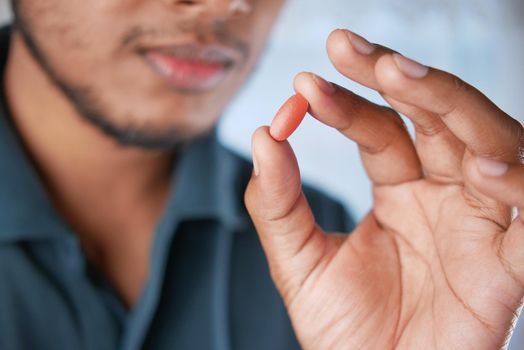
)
(67, 27)
(78, 38)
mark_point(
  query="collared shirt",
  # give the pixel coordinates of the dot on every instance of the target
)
(209, 286)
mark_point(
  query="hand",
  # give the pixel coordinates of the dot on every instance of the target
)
(438, 263)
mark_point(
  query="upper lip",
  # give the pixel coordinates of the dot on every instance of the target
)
(209, 53)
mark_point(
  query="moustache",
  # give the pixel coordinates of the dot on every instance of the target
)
(141, 38)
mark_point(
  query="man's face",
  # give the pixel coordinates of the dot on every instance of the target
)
(149, 72)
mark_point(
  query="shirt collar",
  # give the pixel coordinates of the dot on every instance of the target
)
(206, 182)
(209, 182)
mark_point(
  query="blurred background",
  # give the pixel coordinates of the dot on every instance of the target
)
(482, 41)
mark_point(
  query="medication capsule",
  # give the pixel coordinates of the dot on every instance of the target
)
(289, 117)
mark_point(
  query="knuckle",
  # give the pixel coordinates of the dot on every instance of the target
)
(430, 130)
(459, 85)
(383, 144)
(357, 105)
(519, 141)
(432, 126)
(452, 98)
(355, 109)
(510, 147)
(394, 116)
(396, 131)
(394, 122)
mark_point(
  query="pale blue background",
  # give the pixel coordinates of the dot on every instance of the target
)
(480, 40)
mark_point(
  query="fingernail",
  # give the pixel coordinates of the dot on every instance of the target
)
(360, 44)
(256, 169)
(491, 167)
(325, 86)
(409, 67)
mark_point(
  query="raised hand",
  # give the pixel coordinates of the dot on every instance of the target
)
(438, 263)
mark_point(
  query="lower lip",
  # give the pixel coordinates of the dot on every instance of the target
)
(185, 74)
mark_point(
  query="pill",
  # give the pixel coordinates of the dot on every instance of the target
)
(289, 117)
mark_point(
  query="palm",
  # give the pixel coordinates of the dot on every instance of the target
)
(399, 280)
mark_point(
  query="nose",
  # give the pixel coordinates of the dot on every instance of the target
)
(218, 8)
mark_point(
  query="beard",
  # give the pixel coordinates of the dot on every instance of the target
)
(89, 108)
(87, 102)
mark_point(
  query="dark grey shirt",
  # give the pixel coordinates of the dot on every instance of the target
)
(209, 286)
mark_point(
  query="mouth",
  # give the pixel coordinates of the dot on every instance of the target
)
(191, 68)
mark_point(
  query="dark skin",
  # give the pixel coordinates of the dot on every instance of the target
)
(438, 262)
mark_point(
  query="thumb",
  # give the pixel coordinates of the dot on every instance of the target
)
(293, 243)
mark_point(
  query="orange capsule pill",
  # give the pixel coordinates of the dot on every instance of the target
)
(288, 117)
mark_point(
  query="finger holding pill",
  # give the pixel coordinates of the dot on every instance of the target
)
(289, 117)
